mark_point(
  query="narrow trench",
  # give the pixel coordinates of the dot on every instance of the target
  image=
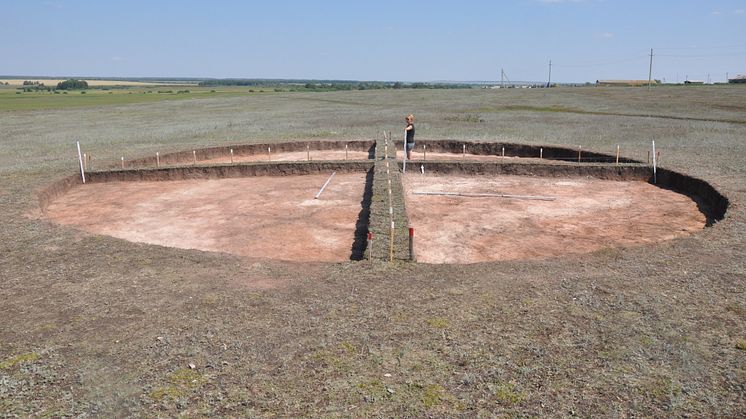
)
(363, 219)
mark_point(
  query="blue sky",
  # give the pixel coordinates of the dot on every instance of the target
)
(375, 40)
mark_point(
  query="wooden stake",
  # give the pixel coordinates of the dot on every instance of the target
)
(579, 151)
(85, 162)
(345, 151)
(157, 159)
(617, 155)
(411, 244)
(194, 155)
(269, 153)
(424, 152)
(391, 243)
(503, 152)
(655, 166)
(541, 153)
(464, 151)
(122, 162)
(231, 156)
(308, 152)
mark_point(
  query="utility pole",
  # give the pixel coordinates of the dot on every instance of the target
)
(549, 83)
(650, 71)
(502, 78)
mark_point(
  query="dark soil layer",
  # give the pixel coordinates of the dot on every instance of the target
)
(519, 150)
(187, 157)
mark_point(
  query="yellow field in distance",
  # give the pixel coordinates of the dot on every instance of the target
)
(92, 83)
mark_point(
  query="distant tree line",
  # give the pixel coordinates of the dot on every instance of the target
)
(231, 82)
(328, 85)
(72, 84)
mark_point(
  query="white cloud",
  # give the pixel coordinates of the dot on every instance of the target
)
(117, 58)
(716, 13)
(739, 12)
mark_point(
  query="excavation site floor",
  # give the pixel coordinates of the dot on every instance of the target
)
(266, 217)
(419, 156)
(314, 155)
(574, 216)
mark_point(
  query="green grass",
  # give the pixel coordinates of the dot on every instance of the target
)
(11, 101)
(19, 359)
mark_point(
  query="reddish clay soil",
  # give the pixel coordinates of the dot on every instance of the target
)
(587, 215)
(417, 154)
(315, 155)
(264, 217)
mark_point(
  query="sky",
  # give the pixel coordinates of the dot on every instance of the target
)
(414, 40)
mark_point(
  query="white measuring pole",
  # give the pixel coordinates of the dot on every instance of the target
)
(617, 155)
(80, 160)
(324, 187)
(404, 166)
(655, 171)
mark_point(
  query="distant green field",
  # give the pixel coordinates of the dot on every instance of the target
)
(11, 100)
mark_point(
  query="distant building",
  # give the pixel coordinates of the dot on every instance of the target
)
(625, 82)
(694, 82)
(737, 79)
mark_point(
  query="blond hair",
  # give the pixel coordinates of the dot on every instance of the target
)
(410, 116)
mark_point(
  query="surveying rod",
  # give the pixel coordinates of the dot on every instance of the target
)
(404, 170)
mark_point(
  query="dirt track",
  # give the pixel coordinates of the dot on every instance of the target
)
(587, 215)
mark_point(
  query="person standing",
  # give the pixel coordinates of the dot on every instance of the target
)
(409, 130)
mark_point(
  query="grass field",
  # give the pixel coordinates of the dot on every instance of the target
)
(13, 100)
(100, 326)
(15, 82)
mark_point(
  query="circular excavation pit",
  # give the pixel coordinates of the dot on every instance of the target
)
(494, 202)
(275, 217)
(467, 219)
